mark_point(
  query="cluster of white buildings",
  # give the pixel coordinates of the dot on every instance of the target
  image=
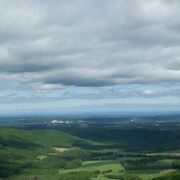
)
(61, 122)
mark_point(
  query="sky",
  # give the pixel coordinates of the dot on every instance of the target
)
(89, 55)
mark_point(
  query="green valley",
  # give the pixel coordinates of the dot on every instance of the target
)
(83, 153)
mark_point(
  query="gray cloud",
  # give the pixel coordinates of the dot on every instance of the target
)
(90, 43)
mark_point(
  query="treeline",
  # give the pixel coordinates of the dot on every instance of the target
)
(170, 176)
(149, 163)
(176, 165)
(110, 155)
(82, 175)
(126, 176)
(131, 139)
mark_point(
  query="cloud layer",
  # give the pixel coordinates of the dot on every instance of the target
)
(52, 44)
(89, 54)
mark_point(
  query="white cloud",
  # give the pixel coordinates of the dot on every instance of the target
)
(150, 92)
(49, 87)
(90, 43)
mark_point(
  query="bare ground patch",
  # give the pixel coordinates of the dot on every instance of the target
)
(61, 149)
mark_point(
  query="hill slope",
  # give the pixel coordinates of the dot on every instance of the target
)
(22, 150)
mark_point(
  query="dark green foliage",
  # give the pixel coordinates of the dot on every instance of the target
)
(170, 176)
(8, 168)
(102, 155)
(83, 175)
(176, 165)
(132, 140)
(125, 176)
(66, 160)
(107, 171)
(18, 142)
(20, 152)
(11, 163)
(23, 139)
(19, 149)
(145, 164)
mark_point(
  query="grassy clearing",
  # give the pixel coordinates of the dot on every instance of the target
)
(118, 169)
(41, 157)
(97, 165)
(102, 166)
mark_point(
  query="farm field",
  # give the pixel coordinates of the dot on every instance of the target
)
(114, 167)
(110, 166)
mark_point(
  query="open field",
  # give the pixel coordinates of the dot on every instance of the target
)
(111, 166)
(115, 167)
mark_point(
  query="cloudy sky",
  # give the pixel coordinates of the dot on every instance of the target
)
(121, 55)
